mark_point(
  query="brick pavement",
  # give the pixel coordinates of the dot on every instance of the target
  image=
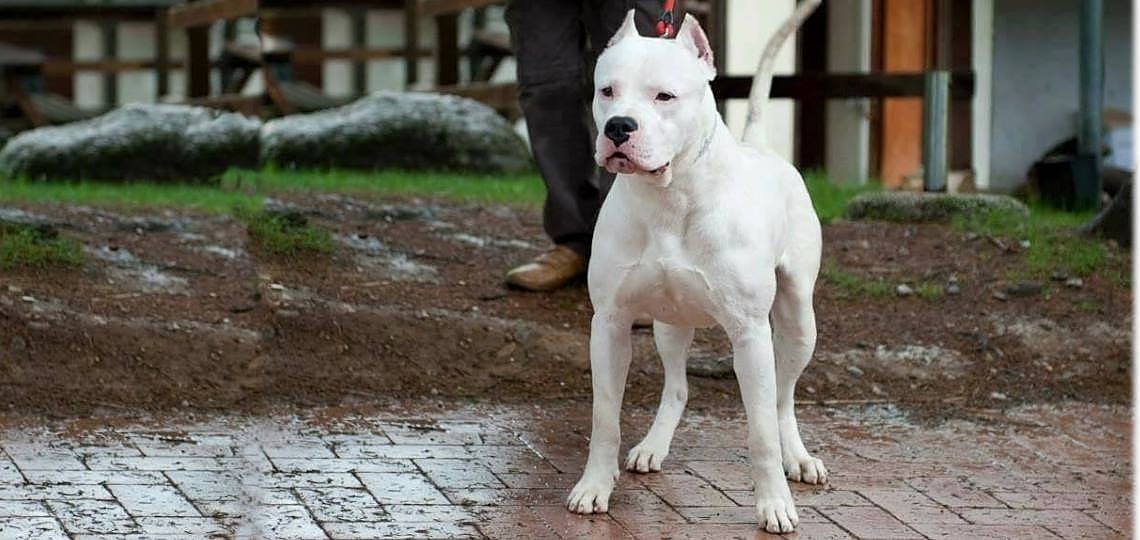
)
(503, 472)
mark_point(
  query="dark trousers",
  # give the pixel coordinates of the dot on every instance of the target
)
(556, 43)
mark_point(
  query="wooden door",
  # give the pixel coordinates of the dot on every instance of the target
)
(905, 47)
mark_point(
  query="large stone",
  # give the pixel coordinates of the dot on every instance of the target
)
(908, 206)
(136, 142)
(404, 131)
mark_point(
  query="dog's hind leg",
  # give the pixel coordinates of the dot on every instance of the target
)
(794, 335)
(673, 347)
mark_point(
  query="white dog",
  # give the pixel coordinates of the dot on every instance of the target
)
(698, 230)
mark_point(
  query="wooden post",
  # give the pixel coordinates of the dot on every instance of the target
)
(359, 42)
(198, 62)
(161, 53)
(811, 114)
(447, 49)
(411, 42)
(110, 52)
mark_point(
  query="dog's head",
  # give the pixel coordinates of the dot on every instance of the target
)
(648, 99)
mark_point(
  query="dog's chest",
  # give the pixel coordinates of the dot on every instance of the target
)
(670, 284)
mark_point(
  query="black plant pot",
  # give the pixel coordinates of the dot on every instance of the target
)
(1068, 182)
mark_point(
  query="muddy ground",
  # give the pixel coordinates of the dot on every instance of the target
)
(173, 310)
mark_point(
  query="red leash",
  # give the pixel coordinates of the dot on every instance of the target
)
(665, 22)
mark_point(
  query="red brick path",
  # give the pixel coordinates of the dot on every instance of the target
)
(504, 472)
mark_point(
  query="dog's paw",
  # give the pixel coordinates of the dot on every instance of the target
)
(645, 457)
(590, 496)
(807, 469)
(777, 515)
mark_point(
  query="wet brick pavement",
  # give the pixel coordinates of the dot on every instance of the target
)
(442, 471)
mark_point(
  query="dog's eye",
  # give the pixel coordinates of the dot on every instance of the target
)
(608, 91)
(664, 96)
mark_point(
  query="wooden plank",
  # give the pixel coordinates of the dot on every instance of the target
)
(13, 56)
(161, 54)
(502, 97)
(58, 68)
(24, 102)
(359, 42)
(109, 33)
(447, 50)
(411, 42)
(308, 56)
(906, 36)
(431, 8)
(809, 86)
(198, 62)
(247, 105)
(811, 114)
(206, 12)
(962, 112)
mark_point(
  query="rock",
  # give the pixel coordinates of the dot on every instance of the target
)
(1000, 295)
(1075, 283)
(1025, 289)
(399, 131)
(710, 366)
(1059, 275)
(907, 206)
(136, 142)
(953, 289)
(18, 344)
(904, 290)
(998, 396)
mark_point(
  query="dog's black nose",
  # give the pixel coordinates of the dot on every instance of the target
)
(618, 129)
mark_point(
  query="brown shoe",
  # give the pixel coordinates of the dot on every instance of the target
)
(549, 271)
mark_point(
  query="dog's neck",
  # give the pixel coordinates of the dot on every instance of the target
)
(694, 160)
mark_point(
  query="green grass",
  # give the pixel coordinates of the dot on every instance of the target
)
(829, 198)
(1053, 244)
(510, 189)
(285, 234)
(208, 198)
(929, 291)
(31, 247)
(244, 189)
(853, 285)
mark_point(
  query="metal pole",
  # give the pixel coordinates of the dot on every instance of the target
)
(1092, 96)
(935, 115)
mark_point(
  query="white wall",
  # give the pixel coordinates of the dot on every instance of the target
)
(848, 120)
(136, 41)
(982, 111)
(750, 23)
(1036, 77)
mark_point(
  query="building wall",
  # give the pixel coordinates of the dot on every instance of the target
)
(1036, 77)
(848, 120)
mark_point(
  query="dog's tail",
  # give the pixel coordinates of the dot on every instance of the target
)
(762, 82)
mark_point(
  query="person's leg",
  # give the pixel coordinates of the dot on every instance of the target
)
(548, 41)
(602, 18)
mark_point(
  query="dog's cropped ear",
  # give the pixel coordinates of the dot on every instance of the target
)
(693, 38)
(628, 28)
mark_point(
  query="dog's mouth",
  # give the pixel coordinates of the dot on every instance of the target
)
(618, 162)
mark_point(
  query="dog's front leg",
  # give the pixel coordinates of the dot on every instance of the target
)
(755, 367)
(610, 352)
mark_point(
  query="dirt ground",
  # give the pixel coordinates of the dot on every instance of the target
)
(172, 310)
